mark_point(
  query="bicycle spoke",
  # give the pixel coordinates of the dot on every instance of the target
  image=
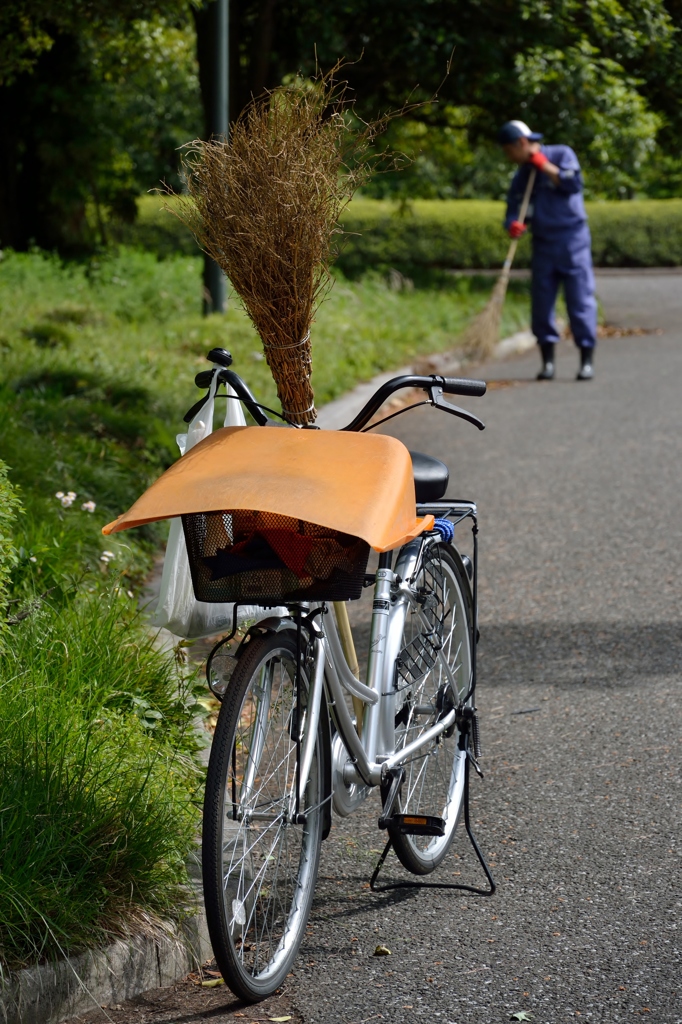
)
(435, 655)
(266, 863)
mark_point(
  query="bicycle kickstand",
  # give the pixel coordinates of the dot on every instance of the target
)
(470, 759)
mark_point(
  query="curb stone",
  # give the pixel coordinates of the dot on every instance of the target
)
(49, 993)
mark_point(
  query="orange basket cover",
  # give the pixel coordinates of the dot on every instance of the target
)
(359, 484)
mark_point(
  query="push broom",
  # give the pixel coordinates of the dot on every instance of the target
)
(483, 333)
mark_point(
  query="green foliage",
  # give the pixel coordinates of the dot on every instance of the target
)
(148, 106)
(9, 507)
(468, 234)
(603, 77)
(98, 120)
(98, 97)
(443, 162)
(97, 780)
(28, 28)
(464, 233)
(644, 233)
(590, 102)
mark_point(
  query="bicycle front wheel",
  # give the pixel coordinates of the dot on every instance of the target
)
(259, 865)
(434, 674)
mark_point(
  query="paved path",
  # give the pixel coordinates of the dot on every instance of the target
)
(581, 540)
(581, 534)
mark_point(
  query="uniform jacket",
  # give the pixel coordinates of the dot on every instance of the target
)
(555, 211)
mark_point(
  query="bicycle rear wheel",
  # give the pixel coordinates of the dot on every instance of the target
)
(259, 866)
(439, 629)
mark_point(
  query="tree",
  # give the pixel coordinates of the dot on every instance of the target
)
(604, 75)
(86, 111)
(79, 128)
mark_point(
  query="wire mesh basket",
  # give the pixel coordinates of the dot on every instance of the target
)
(270, 559)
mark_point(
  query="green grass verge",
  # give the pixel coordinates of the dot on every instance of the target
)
(464, 233)
(99, 776)
(97, 779)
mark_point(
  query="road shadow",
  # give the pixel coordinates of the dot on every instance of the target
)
(598, 654)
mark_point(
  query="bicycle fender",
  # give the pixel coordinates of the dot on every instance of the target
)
(277, 624)
(326, 755)
(273, 624)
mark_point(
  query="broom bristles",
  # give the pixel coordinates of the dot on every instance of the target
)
(266, 207)
(483, 333)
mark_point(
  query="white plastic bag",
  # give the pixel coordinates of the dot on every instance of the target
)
(178, 609)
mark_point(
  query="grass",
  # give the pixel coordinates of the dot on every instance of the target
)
(98, 767)
(97, 777)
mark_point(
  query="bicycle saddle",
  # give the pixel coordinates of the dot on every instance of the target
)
(431, 477)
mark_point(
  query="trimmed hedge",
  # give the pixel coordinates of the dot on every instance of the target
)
(468, 234)
(453, 233)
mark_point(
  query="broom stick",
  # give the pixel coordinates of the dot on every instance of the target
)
(346, 637)
(483, 332)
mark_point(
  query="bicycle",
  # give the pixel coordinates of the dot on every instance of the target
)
(287, 746)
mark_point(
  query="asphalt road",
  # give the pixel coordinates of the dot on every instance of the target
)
(578, 486)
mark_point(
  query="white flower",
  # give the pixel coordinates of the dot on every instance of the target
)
(130, 593)
(33, 558)
(59, 494)
(67, 501)
(106, 556)
(88, 506)
(71, 494)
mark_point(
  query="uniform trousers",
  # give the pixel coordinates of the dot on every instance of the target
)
(567, 260)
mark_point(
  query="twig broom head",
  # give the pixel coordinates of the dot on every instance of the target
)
(265, 207)
(483, 333)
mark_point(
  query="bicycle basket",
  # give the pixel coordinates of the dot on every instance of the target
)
(270, 559)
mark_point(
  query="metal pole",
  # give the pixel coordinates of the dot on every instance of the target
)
(214, 279)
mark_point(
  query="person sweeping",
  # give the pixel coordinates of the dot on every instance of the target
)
(561, 241)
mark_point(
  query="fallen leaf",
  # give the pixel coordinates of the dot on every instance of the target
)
(213, 982)
(521, 1015)
(382, 951)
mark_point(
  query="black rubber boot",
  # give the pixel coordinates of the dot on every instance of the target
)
(586, 371)
(547, 352)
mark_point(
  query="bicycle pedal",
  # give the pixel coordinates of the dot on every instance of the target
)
(414, 824)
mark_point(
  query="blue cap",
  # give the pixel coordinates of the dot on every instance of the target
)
(513, 130)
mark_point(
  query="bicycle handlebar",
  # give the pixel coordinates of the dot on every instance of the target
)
(447, 385)
(435, 385)
(463, 386)
(240, 387)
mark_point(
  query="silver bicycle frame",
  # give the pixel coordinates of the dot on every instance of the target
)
(371, 757)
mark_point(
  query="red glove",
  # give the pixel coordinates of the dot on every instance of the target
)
(538, 160)
(516, 229)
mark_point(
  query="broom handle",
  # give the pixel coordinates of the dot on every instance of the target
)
(506, 266)
(346, 638)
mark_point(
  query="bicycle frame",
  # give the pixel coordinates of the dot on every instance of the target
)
(371, 755)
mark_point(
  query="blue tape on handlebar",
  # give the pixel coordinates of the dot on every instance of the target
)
(446, 529)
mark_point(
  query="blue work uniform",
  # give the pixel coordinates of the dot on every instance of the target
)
(561, 247)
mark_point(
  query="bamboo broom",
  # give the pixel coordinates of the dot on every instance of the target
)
(266, 208)
(483, 332)
(348, 646)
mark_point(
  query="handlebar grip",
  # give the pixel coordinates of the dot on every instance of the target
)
(463, 386)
